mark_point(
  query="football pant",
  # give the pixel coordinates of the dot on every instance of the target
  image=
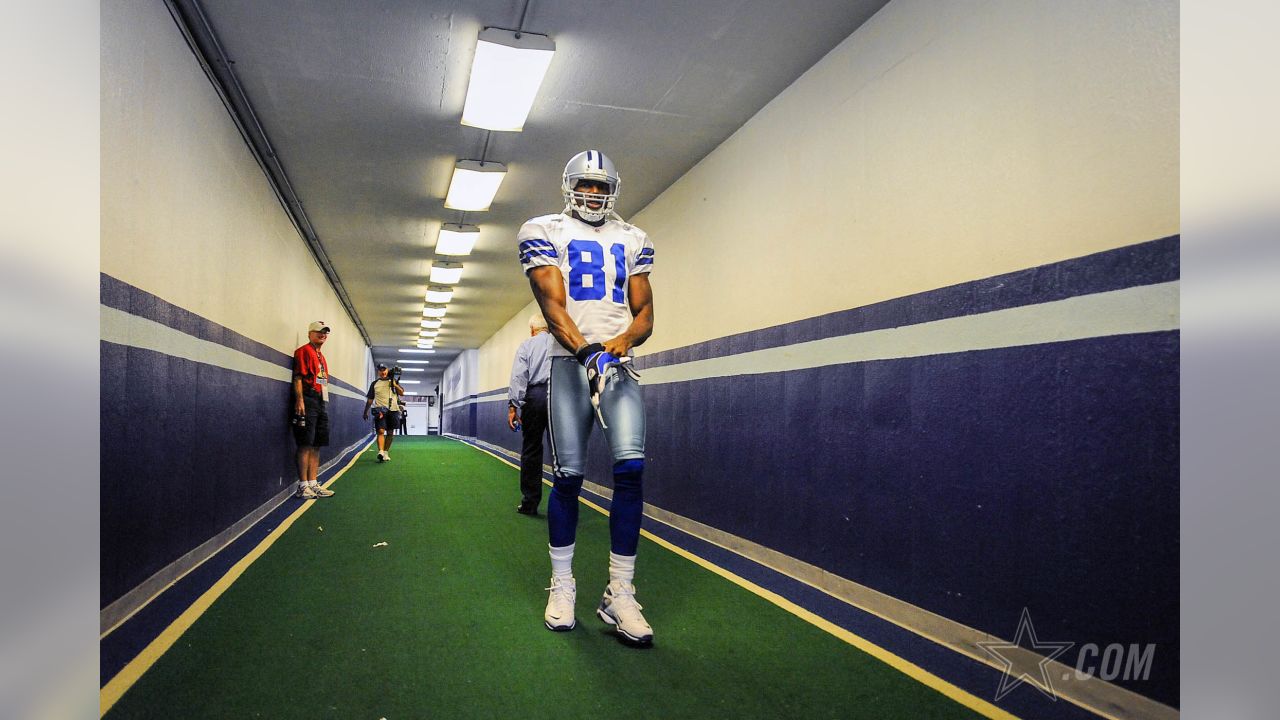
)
(570, 416)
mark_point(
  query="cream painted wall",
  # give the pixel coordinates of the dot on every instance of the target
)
(499, 350)
(460, 379)
(187, 214)
(940, 143)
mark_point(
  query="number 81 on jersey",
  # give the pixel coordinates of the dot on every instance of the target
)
(587, 260)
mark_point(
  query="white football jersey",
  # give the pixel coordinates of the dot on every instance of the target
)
(595, 262)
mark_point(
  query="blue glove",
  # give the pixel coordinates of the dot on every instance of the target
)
(597, 361)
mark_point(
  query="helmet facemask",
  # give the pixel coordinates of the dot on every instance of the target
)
(581, 202)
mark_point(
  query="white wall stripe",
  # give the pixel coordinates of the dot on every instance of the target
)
(1148, 308)
(123, 328)
(492, 398)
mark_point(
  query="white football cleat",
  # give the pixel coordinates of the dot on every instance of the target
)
(619, 608)
(559, 615)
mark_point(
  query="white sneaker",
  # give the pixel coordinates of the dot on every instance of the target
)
(559, 615)
(321, 491)
(306, 492)
(386, 456)
(619, 608)
(382, 457)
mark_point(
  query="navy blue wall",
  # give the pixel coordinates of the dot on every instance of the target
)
(188, 448)
(971, 484)
(491, 425)
(460, 417)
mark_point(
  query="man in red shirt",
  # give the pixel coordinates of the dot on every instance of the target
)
(310, 416)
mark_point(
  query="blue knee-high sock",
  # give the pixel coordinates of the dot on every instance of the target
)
(562, 510)
(627, 507)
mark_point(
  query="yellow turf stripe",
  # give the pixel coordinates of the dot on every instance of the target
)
(915, 672)
(906, 667)
(120, 684)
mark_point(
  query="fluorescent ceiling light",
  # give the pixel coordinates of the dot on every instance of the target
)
(439, 294)
(456, 239)
(433, 312)
(446, 273)
(415, 362)
(474, 184)
(433, 324)
(407, 350)
(505, 76)
(410, 382)
(429, 333)
(414, 369)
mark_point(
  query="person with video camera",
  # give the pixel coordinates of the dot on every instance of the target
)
(384, 399)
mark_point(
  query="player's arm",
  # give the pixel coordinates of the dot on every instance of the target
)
(548, 289)
(640, 300)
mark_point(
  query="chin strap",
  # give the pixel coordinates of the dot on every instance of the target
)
(569, 210)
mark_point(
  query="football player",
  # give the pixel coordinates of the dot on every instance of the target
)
(589, 270)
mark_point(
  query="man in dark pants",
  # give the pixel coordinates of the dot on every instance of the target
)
(527, 409)
(384, 399)
(311, 417)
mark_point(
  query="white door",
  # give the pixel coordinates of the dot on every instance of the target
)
(417, 418)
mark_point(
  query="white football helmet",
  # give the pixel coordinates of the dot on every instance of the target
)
(590, 165)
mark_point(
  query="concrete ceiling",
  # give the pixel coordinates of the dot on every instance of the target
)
(362, 102)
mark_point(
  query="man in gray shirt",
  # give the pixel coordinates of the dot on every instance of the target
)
(527, 409)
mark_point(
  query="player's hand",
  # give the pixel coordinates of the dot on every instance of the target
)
(366, 414)
(512, 418)
(597, 360)
(617, 347)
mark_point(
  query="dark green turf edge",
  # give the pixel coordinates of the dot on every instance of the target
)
(445, 621)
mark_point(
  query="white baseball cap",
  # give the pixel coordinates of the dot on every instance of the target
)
(318, 326)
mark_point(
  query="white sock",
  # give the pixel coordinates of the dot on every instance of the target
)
(562, 562)
(622, 568)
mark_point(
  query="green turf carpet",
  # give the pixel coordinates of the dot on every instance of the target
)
(445, 621)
